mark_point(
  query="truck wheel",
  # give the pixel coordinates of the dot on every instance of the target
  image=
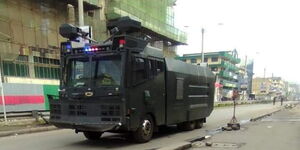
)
(92, 135)
(145, 131)
(186, 126)
(198, 124)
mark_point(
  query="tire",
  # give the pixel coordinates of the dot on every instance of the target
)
(186, 126)
(92, 135)
(198, 124)
(145, 130)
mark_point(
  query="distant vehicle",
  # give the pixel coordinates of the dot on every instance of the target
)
(251, 96)
(123, 85)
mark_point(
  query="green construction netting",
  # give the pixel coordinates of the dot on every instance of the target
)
(156, 15)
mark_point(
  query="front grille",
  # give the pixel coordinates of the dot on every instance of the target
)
(77, 110)
(110, 110)
(55, 109)
(85, 111)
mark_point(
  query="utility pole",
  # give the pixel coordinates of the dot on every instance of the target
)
(2, 93)
(80, 13)
(202, 46)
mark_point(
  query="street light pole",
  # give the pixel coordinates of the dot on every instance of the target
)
(202, 45)
(2, 95)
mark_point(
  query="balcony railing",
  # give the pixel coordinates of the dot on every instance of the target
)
(231, 58)
(228, 75)
(229, 66)
(229, 84)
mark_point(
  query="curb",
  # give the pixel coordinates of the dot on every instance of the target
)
(186, 145)
(230, 103)
(29, 130)
(265, 115)
(178, 146)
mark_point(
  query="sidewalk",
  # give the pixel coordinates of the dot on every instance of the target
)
(277, 132)
(16, 126)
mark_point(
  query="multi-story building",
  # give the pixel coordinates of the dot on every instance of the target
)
(261, 86)
(294, 91)
(278, 85)
(30, 42)
(223, 64)
(269, 87)
(245, 77)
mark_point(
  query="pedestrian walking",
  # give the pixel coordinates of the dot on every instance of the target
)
(281, 100)
(274, 99)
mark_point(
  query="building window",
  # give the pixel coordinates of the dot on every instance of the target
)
(22, 58)
(205, 59)
(193, 60)
(46, 68)
(42, 60)
(214, 59)
(46, 72)
(15, 69)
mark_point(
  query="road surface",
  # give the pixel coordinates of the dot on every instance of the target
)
(277, 132)
(68, 140)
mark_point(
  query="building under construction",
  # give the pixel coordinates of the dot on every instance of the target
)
(30, 42)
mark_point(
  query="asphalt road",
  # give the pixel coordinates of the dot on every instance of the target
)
(277, 132)
(68, 140)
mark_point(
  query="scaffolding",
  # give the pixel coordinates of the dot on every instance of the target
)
(29, 38)
(156, 15)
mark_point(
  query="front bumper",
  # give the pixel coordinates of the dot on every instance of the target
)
(101, 127)
(86, 116)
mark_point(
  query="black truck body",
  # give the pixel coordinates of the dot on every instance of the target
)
(137, 90)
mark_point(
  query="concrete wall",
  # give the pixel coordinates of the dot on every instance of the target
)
(27, 97)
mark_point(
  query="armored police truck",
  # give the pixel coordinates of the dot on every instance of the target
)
(124, 85)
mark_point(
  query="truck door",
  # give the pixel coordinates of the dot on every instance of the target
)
(156, 90)
(176, 105)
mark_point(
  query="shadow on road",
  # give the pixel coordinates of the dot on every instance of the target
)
(119, 140)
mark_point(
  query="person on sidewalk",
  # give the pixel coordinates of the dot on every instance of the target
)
(281, 100)
(274, 99)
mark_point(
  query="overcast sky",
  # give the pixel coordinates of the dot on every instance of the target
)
(267, 31)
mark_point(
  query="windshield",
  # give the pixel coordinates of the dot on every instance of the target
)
(106, 71)
(78, 72)
(101, 71)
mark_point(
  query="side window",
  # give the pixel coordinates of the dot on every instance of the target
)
(160, 67)
(139, 72)
(155, 67)
(152, 65)
(179, 90)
